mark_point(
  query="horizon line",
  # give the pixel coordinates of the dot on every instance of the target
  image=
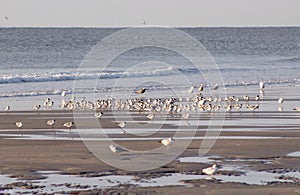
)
(138, 26)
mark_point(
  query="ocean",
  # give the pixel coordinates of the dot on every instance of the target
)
(37, 63)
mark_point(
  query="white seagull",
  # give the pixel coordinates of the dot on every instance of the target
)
(19, 124)
(122, 124)
(167, 142)
(36, 107)
(98, 114)
(210, 170)
(7, 108)
(280, 100)
(68, 125)
(261, 85)
(51, 122)
(116, 149)
(256, 106)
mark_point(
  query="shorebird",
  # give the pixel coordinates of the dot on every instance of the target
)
(253, 107)
(19, 124)
(257, 98)
(210, 170)
(63, 94)
(185, 115)
(51, 123)
(200, 89)
(280, 100)
(36, 107)
(141, 91)
(167, 142)
(215, 87)
(297, 108)
(116, 149)
(191, 89)
(98, 114)
(7, 108)
(246, 98)
(150, 116)
(68, 125)
(122, 124)
(261, 85)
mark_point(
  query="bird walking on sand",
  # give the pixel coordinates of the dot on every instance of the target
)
(261, 85)
(36, 107)
(150, 116)
(7, 108)
(51, 123)
(68, 125)
(116, 149)
(141, 91)
(254, 107)
(98, 114)
(19, 124)
(280, 100)
(167, 142)
(210, 170)
(122, 124)
(200, 89)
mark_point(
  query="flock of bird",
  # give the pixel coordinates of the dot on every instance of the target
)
(180, 106)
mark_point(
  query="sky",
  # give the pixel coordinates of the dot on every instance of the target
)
(174, 13)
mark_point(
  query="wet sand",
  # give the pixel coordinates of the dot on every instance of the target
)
(23, 155)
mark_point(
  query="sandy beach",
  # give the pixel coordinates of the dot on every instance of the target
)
(241, 149)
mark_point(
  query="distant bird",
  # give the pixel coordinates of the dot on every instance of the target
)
(215, 87)
(116, 149)
(167, 142)
(63, 93)
(122, 124)
(190, 90)
(253, 107)
(6, 18)
(280, 100)
(51, 123)
(150, 116)
(7, 108)
(200, 89)
(68, 125)
(257, 98)
(141, 91)
(36, 107)
(210, 170)
(246, 98)
(98, 114)
(261, 85)
(19, 124)
(185, 115)
(297, 108)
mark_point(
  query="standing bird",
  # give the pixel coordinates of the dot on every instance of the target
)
(116, 149)
(252, 108)
(261, 85)
(210, 170)
(122, 125)
(141, 91)
(51, 123)
(7, 108)
(200, 89)
(98, 114)
(297, 108)
(36, 107)
(167, 142)
(68, 125)
(19, 124)
(150, 116)
(280, 100)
